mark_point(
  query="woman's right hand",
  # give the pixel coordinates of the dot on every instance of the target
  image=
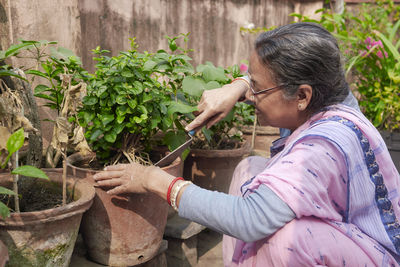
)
(215, 104)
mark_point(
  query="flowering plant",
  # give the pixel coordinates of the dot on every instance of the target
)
(370, 39)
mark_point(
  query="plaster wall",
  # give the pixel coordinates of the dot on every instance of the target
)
(82, 25)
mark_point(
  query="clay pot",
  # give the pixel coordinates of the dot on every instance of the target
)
(47, 237)
(122, 230)
(264, 136)
(213, 169)
(3, 254)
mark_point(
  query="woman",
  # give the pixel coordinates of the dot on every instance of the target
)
(329, 194)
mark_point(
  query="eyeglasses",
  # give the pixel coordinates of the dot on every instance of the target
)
(264, 90)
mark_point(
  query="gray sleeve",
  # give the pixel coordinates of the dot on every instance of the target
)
(351, 101)
(252, 218)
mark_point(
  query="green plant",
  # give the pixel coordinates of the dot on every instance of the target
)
(126, 104)
(14, 143)
(369, 38)
(225, 132)
(55, 65)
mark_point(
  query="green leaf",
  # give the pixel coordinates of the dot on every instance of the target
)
(174, 139)
(212, 85)
(193, 86)
(110, 137)
(389, 45)
(127, 74)
(14, 49)
(172, 45)
(106, 118)
(30, 171)
(149, 65)
(6, 191)
(182, 58)
(4, 210)
(41, 88)
(90, 100)
(64, 54)
(95, 134)
(37, 73)
(179, 107)
(11, 73)
(121, 99)
(15, 141)
(211, 73)
(132, 103)
(183, 69)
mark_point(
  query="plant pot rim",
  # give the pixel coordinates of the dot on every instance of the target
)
(260, 130)
(87, 193)
(83, 157)
(221, 153)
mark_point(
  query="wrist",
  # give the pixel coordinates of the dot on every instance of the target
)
(157, 181)
(238, 87)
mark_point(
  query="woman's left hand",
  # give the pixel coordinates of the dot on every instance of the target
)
(134, 178)
(125, 178)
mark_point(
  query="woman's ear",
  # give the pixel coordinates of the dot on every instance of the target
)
(304, 94)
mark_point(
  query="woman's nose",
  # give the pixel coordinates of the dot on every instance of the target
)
(249, 97)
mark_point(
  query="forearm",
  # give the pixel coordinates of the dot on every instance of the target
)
(252, 218)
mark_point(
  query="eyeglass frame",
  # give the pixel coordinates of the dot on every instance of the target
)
(263, 90)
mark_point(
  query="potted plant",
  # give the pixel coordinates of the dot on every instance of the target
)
(124, 110)
(33, 235)
(216, 151)
(370, 40)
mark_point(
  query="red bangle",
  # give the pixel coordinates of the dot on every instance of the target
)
(170, 188)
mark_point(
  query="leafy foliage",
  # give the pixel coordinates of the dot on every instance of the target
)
(14, 143)
(208, 77)
(58, 62)
(126, 104)
(370, 41)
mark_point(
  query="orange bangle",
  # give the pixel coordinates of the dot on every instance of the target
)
(170, 188)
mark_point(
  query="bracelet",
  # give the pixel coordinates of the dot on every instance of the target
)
(170, 188)
(175, 193)
(242, 79)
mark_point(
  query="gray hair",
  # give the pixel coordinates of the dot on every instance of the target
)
(304, 53)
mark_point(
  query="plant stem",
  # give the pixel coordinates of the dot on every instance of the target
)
(64, 179)
(15, 185)
(253, 134)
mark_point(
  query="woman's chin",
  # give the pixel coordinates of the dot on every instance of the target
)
(262, 121)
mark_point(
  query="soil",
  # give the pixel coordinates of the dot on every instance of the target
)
(43, 195)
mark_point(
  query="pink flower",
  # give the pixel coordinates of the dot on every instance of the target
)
(243, 68)
(371, 44)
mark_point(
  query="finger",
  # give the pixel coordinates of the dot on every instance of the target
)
(213, 120)
(198, 122)
(105, 175)
(113, 182)
(118, 190)
(118, 167)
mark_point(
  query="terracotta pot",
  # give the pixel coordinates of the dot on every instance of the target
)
(122, 230)
(3, 254)
(47, 237)
(213, 169)
(264, 136)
